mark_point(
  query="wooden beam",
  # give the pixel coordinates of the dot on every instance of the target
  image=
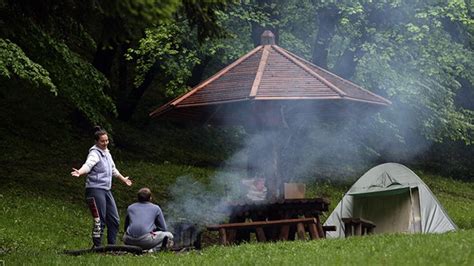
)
(261, 223)
(260, 70)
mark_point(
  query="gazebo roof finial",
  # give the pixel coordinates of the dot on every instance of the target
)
(267, 38)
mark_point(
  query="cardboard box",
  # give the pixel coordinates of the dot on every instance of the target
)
(294, 190)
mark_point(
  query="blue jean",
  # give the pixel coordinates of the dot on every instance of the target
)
(107, 212)
(152, 240)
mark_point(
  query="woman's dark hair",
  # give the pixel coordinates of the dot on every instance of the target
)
(144, 194)
(98, 131)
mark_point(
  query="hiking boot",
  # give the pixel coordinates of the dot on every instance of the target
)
(170, 244)
(151, 250)
(96, 242)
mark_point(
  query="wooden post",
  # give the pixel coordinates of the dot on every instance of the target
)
(347, 229)
(222, 236)
(269, 120)
(319, 227)
(358, 229)
(313, 232)
(231, 233)
(300, 231)
(276, 178)
(370, 230)
(260, 234)
(265, 159)
(284, 232)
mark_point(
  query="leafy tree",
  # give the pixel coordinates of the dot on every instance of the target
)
(170, 56)
(14, 62)
(105, 57)
(416, 53)
(67, 41)
(173, 57)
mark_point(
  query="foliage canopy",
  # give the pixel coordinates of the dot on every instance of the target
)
(109, 57)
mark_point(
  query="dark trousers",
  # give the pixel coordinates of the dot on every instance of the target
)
(107, 212)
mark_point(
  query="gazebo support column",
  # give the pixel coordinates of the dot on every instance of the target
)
(264, 156)
(263, 161)
(273, 176)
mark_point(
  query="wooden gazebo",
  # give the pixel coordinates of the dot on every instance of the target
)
(270, 88)
(268, 75)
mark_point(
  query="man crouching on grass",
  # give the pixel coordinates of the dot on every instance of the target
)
(145, 224)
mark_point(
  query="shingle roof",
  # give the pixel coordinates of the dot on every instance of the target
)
(268, 72)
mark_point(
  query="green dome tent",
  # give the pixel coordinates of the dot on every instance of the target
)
(395, 199)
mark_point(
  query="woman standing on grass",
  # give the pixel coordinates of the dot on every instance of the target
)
(100, 168)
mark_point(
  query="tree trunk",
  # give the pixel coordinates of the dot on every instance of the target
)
(129, 104)
(465, 95)
(346, 64)
(198, 72)
(103, 60)
(327, 19)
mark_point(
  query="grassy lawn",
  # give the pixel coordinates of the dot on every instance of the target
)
(47, 215)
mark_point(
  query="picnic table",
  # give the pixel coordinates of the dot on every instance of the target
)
(273, 220)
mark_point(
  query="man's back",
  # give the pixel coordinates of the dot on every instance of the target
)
(143, 218)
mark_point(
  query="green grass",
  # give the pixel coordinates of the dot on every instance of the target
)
(43, 213)
(447, 249)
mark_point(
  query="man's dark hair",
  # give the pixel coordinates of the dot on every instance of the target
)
(144, 194)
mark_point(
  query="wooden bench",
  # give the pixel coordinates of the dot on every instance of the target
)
(357, 227)
(328, 228)
(227, 231)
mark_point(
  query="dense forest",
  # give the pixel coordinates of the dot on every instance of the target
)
(67, 65)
